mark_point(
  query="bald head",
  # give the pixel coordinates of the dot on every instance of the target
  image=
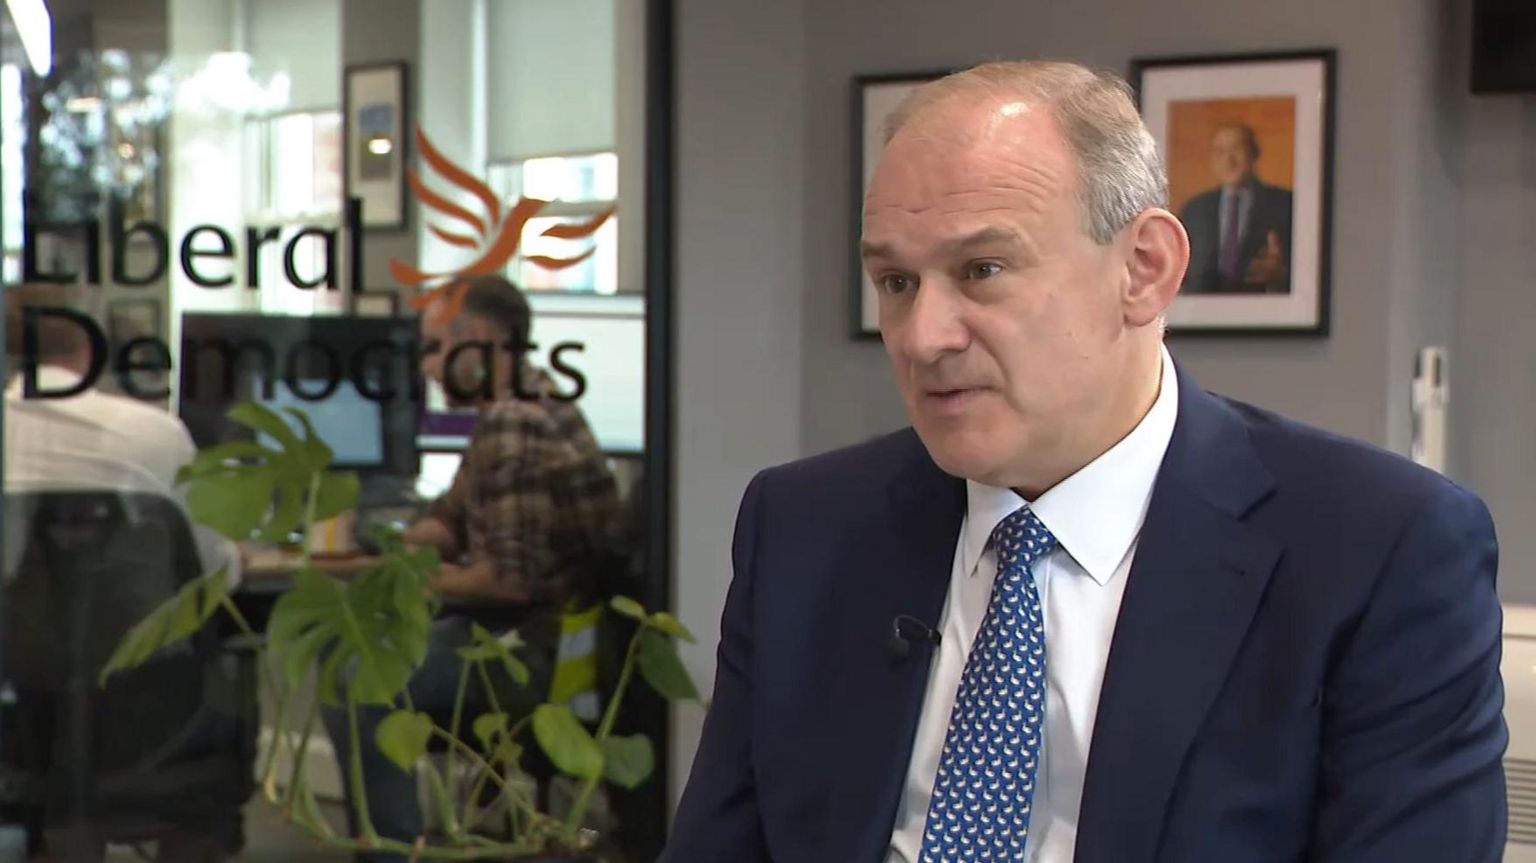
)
(1119, 173)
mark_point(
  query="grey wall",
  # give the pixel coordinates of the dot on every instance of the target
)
(739, 172)
(1493, 372)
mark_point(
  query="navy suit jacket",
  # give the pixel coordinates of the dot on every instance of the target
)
(1305, 665)
(1269, 212)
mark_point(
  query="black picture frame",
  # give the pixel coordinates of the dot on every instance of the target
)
(375, 106)
(872, 97)
(1221, 91)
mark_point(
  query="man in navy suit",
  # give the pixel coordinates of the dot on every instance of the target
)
(1084, 610)
(1240, 231)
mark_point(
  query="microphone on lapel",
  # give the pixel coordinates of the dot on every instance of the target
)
(907, 630)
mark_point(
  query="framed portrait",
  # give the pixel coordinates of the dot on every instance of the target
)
(1248, 141)
(374, 142)
(874, 98)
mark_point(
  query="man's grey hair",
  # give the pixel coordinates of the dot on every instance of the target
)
(1120, 173)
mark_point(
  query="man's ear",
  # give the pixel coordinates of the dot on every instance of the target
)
(1157, 255)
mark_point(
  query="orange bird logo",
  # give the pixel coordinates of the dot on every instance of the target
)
(493, 232)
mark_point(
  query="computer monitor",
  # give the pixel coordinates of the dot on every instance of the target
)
(349, 423)
(285, 361)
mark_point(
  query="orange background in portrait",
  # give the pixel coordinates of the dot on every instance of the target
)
(1192, 123)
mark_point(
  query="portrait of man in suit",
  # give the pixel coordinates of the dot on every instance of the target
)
(1240, 231)
(1082, 610)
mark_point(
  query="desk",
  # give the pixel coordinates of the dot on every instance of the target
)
(268, 574)
(269, 571)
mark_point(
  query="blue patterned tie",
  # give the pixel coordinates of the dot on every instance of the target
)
(986, 782)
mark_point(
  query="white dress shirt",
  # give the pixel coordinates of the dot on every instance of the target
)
(1096, 516)
(99, 441)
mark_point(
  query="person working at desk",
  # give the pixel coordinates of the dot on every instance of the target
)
(523, 525)
(90, 441)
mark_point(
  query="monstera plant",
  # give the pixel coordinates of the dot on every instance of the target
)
(371, 631)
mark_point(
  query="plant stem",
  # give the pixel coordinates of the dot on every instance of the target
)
(490, 772)
(279, 737)
(604, 729)
(471, 803)
(444, 803)
(474, 757)
(311, 501)
(359, 787)
(234, 612)
(490, 691)
(458, 714)
(301, 755)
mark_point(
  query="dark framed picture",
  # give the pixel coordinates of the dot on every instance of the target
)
(874, 98)
(1248, 141)
(374, 144)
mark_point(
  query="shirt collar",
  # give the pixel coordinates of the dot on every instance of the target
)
(1095, 514)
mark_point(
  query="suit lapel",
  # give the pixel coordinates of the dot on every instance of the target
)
(904, 568)
(1198, 577)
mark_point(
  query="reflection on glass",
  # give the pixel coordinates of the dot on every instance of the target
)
(13, 132)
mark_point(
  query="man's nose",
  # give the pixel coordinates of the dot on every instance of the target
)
(935, 324)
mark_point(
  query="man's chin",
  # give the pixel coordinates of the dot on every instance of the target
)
(962, 455)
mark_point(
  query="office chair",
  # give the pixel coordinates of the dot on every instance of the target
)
(162, 748)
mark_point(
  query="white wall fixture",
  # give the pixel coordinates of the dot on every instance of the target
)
(1431, 393)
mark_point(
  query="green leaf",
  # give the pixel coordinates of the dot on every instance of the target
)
(219, 458)
(488, 646)
(287, 516)
(508, 753)
(233, 503)
(628, 761)
(317, 453)
(487, 727)
(375, 627)
(670, 625)
(566, 741)
(402, 736)
(338, 493)
(658, 662)
(260, 418)
(627, 607)
(174, 620)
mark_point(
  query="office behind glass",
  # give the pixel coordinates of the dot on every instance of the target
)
(354, 377)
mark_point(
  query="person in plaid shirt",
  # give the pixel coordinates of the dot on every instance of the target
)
(533, 498)
(526, 522)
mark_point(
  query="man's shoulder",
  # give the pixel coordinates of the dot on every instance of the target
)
(857, 469)
(1340, 474)
(146, 420)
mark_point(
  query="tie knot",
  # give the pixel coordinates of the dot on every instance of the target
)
(1021, 539)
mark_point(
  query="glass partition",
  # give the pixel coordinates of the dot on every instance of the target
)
(328, 525)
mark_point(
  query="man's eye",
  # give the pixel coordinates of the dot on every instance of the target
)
(982, 270)
(895, 283)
